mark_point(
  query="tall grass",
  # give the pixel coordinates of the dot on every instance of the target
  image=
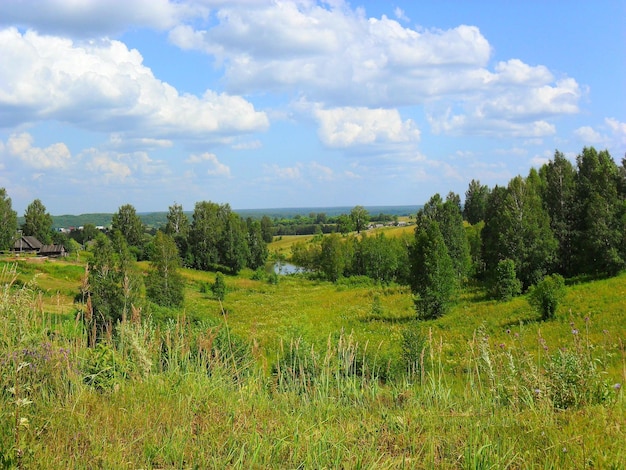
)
(195, 394)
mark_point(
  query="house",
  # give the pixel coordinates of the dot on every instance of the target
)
(27, 244)
(53, 251)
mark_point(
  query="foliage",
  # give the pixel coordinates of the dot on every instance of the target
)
(218, 288)
(334, 257)
(546, 295)
(434, 282)
(475, 202)
(414, 351)
(506, 285)
(129, 224)
(37, 222)
(177, 221)
(360, 217)
(8, 221)
(599, 226)
(164, 285)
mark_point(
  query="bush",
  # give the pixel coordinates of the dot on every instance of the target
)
(414, 349)
(219, 287)
(506, 285)
(546, 295)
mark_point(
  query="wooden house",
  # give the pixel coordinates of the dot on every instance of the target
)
(27, 244)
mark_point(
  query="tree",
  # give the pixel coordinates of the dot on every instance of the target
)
(219, 287)
(378, 258)
(434, 282)
(8, 221)
(475, 202)
(37, 222)
(599, 225)
(333, 259)
(256, 244)
(164, 284)
(109, 286)
(506, 285)
(360, 217)
(345, 224)
(448, 216)
(90, 232)
(233, 245)
(130, 225)
(558, 195)
(177, 222)
(267, 229)
(546, 296)
(205, 233)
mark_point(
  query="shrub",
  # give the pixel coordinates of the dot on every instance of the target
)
(546, 295)
(414, 346)
(506, 285)
(219, 287)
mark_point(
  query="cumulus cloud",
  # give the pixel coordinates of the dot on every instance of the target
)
(109, 165)
(344, 127)
(588, 135)
(216, 168)
(331, 54)
(102, 85)
(86, 18)
(56, 156)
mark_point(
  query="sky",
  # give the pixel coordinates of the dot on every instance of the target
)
(298, 103)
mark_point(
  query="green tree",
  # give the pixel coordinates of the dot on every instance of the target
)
(206, 231)
(177, 222)
(8, 221)
(448, 216)
(546, 296)
(360, 217)
(89, 232)
(164, 284)
(558, 195)
(107, 296)
(378, 258)
(506, 285)
(475, 202)
(333, 259)
(256, 245)
(267, 229)
(492, 235)
(38, 222)
(131, 227)
(233, 245)
(599, 225)
(434, 282)
(345, 224)
(219, 287)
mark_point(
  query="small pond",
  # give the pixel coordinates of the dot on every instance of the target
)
(284, 268)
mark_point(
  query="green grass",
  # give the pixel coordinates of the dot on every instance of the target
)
(307, 391)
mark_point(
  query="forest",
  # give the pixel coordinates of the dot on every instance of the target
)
(405, 342)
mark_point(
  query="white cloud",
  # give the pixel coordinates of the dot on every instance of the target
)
(216, 168)
(102, 85)
(588, 135)
(345, 127)
(399, 13)
(321, 172)
(108, 165)
(250, 145)
(285, 173)
(56, 156)
(618, 129)
(86, 18)
(331, 54)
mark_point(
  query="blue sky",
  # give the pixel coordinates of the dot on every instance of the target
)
(298, 103)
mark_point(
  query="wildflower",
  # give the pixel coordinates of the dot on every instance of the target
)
(508, 331)
(502, 345)
(617, 387)
(537, 392)
(574, 331)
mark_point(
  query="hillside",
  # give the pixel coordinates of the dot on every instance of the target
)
(311, 374)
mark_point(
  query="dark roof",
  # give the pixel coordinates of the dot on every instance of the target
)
(51, 250)
(27, 243)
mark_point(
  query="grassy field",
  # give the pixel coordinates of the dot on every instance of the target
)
(309, 374)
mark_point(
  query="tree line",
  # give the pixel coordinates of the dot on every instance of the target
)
(565, 219)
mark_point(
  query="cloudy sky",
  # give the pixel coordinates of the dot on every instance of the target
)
(298, 103)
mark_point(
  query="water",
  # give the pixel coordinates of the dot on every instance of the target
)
(284, 268)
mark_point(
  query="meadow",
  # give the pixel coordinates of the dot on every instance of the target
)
(302, 373)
